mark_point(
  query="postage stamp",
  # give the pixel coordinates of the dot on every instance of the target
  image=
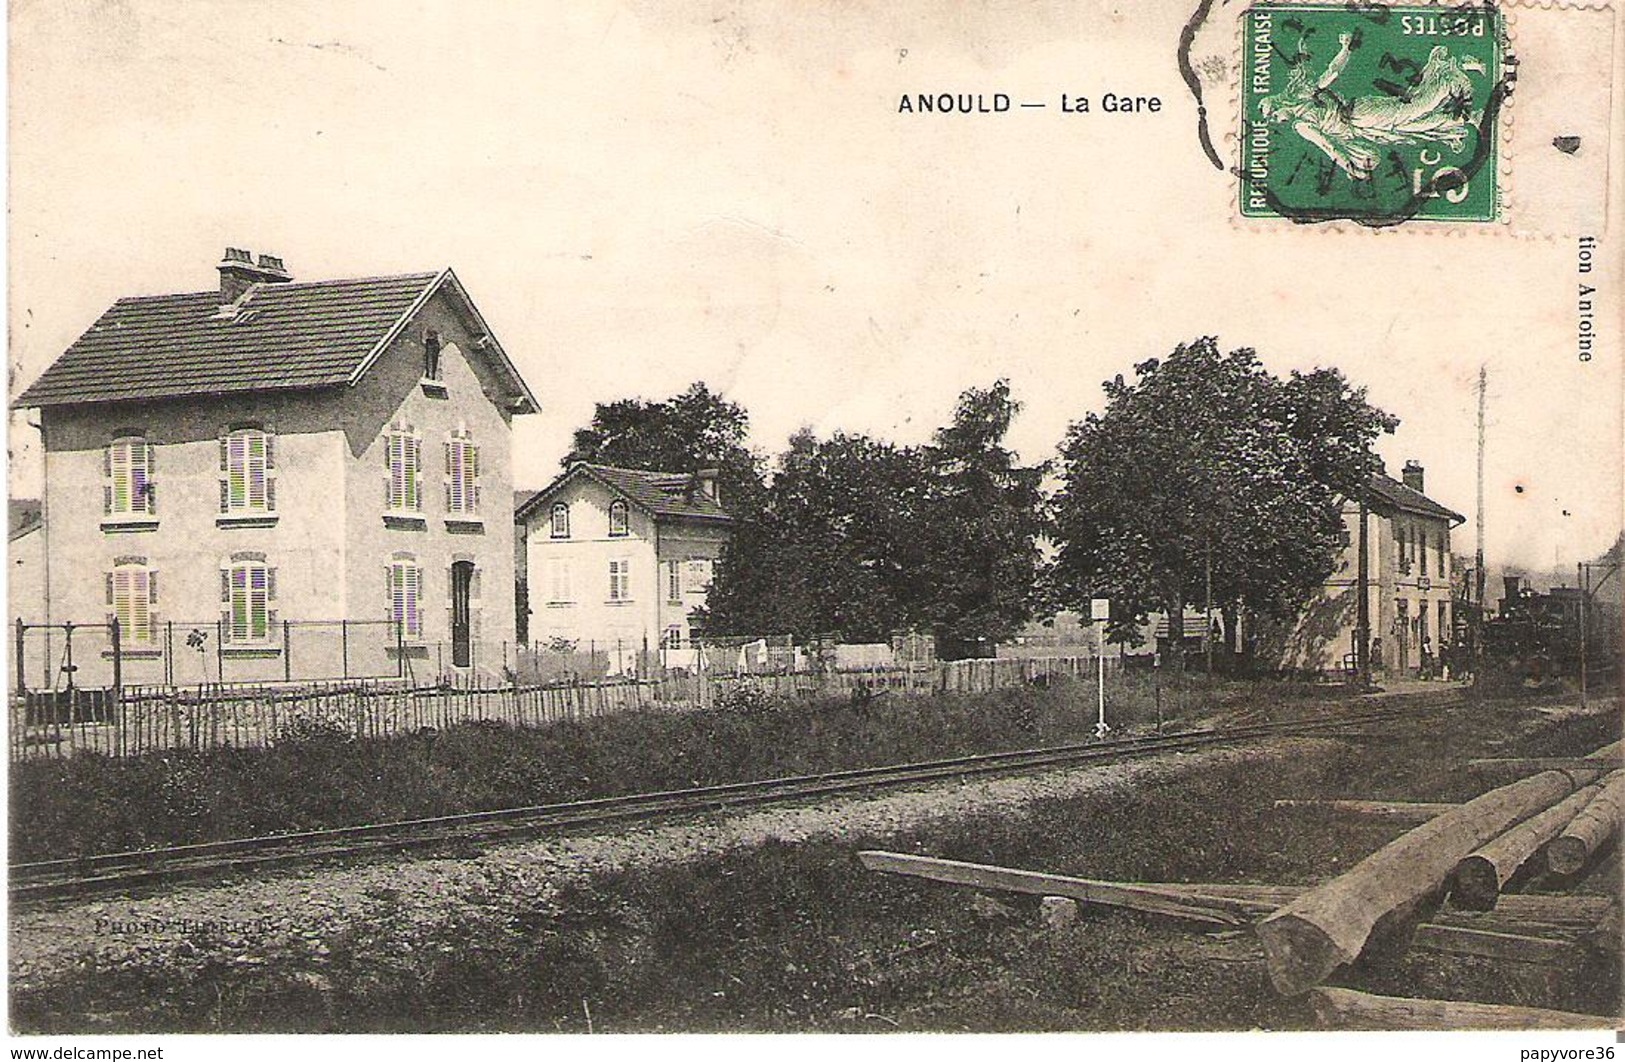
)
(1371, 112)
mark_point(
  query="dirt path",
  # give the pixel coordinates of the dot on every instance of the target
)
(238, 922)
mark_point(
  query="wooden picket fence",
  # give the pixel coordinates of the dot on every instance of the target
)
(143, 719)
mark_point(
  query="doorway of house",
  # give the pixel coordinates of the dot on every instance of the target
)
(462, 581)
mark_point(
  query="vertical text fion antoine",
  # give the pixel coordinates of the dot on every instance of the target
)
(1584, 330)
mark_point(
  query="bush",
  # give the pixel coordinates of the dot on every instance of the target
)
(746, 698)
(312, 730)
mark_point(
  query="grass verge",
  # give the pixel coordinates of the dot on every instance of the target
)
(318, 777)
(796, 938)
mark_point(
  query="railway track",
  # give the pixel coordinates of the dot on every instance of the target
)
(118, 871)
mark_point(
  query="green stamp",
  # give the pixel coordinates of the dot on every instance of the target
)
(1373, 113)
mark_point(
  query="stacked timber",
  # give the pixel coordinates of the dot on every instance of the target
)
(1341, 1008)
(1524, 928)
(1590, 829)
(1479, 877)
(1330, 925)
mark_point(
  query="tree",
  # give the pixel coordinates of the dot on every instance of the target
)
(862, 538)
(1206, 466)
(687, 432)
(827, 553)
(984, 515)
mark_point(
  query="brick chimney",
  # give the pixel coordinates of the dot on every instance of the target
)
(238, 273)
(1412, 476)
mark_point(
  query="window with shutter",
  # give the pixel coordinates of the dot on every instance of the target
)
(462, 475)
(559, 570)
(132, 591)
(247, 588)
(404, 487)
(405, 597)
(620, 580)
(246, 486)
(127, 468)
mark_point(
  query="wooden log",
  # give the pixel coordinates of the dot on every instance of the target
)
(1407, 812)
(1590, 829)
(1515, 766)
(1534, 764)
(1329, 925)
(1513, 947)
(1477, 880)
(1133, 896)
(1581, 912)
(1562, 916)
(1508, 932)
(1342, 1008)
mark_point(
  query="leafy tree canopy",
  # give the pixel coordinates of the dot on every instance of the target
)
(863, 538)
(1207, 457)
(689, 431)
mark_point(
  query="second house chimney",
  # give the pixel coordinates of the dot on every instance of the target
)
(238, 273)
(1413, 476)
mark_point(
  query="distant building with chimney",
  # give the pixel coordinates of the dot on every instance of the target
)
(282, 480)
(618, 559)
(1408, 586)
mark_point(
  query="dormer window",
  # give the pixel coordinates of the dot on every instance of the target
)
(560, 527)
(617, 519)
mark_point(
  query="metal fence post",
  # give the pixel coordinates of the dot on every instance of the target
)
(219, 651)
(22, 682)
(68, 666)
(287, 654)
(344, 646)
(118, 686)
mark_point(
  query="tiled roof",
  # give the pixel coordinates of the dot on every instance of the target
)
(1396, 494)
(283, 337)
(668, 494)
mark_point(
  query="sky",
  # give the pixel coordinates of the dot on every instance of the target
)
(640, 195)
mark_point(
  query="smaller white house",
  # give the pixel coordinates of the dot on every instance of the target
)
(617, 560)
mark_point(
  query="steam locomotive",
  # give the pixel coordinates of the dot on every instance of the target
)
(1538, 637)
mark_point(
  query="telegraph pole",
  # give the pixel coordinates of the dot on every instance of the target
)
(1362, 605)
(1207, 619)
(1478, 558)
(1580, 580)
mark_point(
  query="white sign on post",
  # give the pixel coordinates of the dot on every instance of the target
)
(1100, 610)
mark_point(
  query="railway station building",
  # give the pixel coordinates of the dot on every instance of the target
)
(1409, 580)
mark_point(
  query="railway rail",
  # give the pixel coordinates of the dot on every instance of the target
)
(118, 871)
